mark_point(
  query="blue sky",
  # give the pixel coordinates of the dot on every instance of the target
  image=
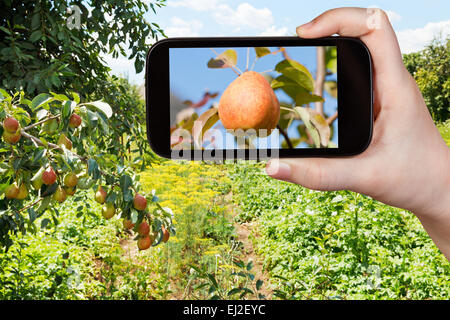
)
(415, 22)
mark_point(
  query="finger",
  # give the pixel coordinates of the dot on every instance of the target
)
(371, 25)
(317, 174)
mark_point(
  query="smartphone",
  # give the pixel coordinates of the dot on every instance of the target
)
(258, 97)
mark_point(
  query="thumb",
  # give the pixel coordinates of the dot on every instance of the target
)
(317, 174)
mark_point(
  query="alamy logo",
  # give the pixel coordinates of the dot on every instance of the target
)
(74, 20)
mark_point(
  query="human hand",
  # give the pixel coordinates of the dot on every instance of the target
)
(407, 164)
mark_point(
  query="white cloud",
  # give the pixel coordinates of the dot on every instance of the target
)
(181, 28)
(198, 5)
(412, 40)
(245, 16)
(274, 31)
(393, 16)
(123, 67)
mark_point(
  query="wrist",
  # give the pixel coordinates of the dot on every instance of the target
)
(436, 206)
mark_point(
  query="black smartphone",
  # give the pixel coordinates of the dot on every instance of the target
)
(259, 97)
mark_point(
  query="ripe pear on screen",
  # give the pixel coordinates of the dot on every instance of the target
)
(249, 103)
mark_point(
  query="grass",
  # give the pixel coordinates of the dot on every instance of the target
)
(79, 258)
(337, 245)
(444, 129)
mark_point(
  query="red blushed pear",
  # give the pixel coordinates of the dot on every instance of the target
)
(144, 242)
(108, 211)
(140, 203)
(249, 103)
(60, 195)
(11, 138)
(12, 191)
(74, 121)
(143, 228)
(127, 224)
(63, 140)
(100, 195)
(23, 192)
(11, 125)
(70, 180)
(166, 234)
(49, 176)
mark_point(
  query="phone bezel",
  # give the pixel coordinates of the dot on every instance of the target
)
(354, 92)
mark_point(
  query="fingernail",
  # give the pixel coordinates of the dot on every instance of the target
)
(278, 169)
(300, 29)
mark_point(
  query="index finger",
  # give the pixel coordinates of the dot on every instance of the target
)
(371, 25)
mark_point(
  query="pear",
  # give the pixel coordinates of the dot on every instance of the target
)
(144, 242)
(249, 103)
(63, 140)
(23, 192)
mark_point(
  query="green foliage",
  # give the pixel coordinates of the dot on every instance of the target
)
(127, 126)
(41, 51)
(431, 70)
(96, 158)
(338, 245)
(219, 285)
(444, 129)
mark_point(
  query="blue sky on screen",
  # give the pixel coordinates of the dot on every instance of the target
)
(416, 22)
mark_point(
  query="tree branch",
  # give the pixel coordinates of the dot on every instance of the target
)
(31, 204)
(284, 134)
(41, 122)
(39, 141)
(320, 77)
(332, 118)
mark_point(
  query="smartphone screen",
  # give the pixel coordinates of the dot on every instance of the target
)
(265, 97)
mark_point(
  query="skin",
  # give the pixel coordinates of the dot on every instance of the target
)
(407, 164)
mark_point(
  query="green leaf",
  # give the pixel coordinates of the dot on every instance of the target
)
(296, 72)
(234, 291)
(331, 59)
(44, 223)
(317, 126)
(331, 88)
(306, 118)
(44, 204)
(48, 190)
(213, 280)
(76, 97)
(102, 106)
(259, 284)
(298, 77)
(304, 97)
(39, 153)
(93, 169)
(68, 108)
(40, 100)
(36, 35)
(226, 59)
(262, 51)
